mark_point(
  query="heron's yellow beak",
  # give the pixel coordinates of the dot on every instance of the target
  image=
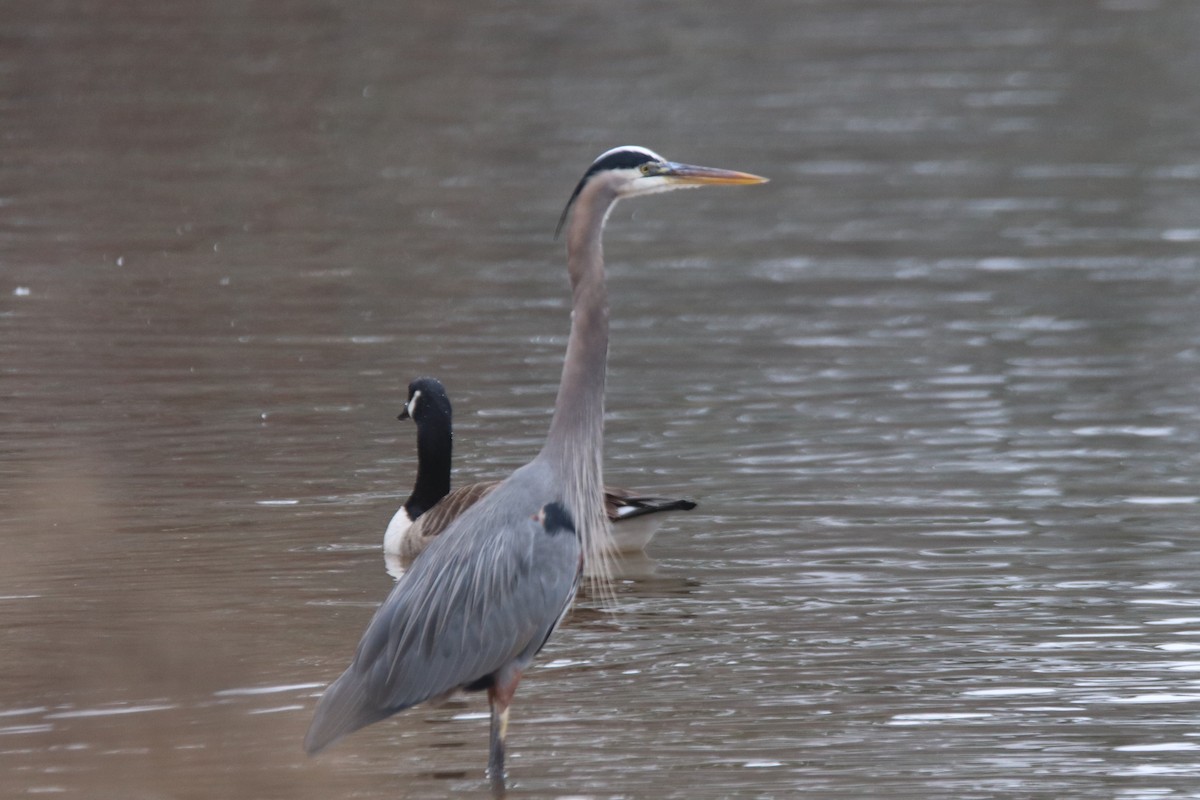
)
(687, 174)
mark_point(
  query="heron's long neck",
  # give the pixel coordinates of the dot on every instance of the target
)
(434, 443)
(576, 439)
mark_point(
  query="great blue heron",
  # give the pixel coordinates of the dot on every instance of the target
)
(478, 605)
(432, 506)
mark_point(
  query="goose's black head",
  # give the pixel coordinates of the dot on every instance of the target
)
(427, 399)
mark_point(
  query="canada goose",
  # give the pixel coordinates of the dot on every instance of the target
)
(432, 506)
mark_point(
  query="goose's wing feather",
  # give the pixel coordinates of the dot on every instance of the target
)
(434, 521)
(621, 504)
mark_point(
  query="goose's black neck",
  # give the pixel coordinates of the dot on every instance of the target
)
(435, 441)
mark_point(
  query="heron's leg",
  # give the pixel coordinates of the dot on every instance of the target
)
(496, 748)
(500, 696)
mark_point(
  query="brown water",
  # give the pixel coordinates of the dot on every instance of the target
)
(936, 388)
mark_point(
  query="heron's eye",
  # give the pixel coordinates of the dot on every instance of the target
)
(647, 168)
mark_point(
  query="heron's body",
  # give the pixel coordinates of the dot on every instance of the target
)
(484, 597)
(432, 506)
(456, 621)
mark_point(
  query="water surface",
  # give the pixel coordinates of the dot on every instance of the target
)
(935, 388)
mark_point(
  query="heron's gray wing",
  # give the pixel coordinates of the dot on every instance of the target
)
(486, 594)
(496, 588)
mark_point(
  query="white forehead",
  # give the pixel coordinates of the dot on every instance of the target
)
(631, 148)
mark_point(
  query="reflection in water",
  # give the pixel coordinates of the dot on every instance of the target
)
(935, 389)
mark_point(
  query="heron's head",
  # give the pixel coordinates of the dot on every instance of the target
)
(426, 396)
(631, 171)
